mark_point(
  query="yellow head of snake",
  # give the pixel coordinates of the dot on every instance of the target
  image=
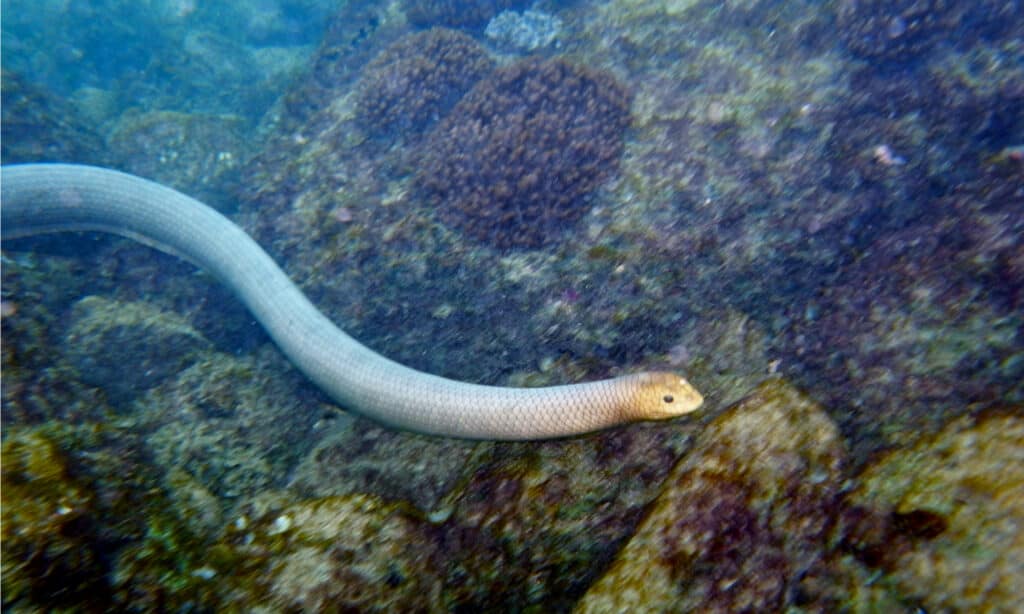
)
(660, 395)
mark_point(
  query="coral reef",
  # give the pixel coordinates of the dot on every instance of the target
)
(514, 163)
(417, 80)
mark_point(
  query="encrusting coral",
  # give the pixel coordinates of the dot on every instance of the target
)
(418, 79)
(516, 160)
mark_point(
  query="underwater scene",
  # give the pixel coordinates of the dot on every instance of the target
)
(781, 240)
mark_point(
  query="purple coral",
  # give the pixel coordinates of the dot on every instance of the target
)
(418, 79)
(516, 161)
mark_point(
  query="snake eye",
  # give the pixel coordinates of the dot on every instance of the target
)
(668, 398)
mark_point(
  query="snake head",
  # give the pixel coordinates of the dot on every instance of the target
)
(658, 395)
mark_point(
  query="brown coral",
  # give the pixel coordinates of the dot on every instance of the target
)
(515, 162)
(418, 79)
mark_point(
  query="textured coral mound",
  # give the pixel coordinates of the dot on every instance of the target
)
(514, 162)
(417, 79)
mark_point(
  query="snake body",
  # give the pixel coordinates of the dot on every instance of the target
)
(42, 198)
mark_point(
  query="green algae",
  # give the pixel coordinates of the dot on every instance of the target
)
(63, 513)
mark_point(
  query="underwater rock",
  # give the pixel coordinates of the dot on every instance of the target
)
(533, 524)
(514, 163)
(395, 465)
(51, 551)
(339, 554)
(417, 80)
(235, 425)
(38, 383)
(125, 348)
(740, 360)
(958, 498)
(741, 519)
(893, 30)
(38, 126)
(903, 30)
(195, 154)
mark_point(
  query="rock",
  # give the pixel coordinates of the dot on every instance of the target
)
(39, 126)
(126, 348)
(49, 527)
(741, 518)
(350, 553)
(194, 153)
(396, 465)
(957, 501)
(235, 425)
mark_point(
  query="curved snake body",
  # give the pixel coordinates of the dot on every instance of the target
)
(41, 198)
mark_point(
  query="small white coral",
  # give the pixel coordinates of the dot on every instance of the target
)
(526, 31)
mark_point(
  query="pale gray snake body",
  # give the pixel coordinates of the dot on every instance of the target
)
(41, 198)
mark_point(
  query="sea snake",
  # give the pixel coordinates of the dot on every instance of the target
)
(42, 198)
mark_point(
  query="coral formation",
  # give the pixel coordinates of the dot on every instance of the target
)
(465, 14)
(417, 80)
(526, 31)
(516, 160)
(105, 337)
